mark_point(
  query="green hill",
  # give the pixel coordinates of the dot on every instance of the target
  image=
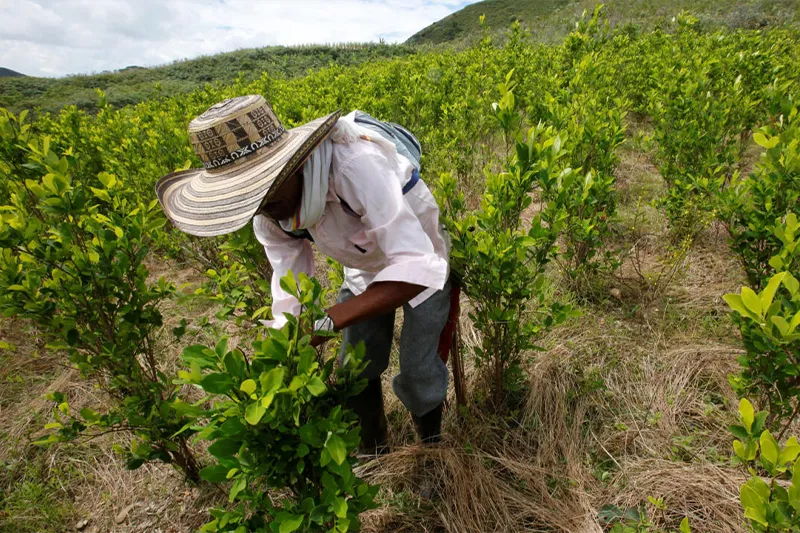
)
(8, 73)
(499, 14)
(551, 20)
(134, 84)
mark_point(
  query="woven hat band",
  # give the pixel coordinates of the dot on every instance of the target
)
(232, 131)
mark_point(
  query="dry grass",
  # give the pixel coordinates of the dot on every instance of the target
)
(615, 413)
(705, 493)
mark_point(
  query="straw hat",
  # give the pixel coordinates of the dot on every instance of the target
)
(247, 153)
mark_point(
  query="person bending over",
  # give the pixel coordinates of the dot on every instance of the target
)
(345, 188)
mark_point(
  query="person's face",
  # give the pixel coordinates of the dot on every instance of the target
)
(283, 202)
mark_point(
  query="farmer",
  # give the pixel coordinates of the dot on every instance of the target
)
(347, 189)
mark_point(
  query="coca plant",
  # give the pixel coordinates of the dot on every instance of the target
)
(499, 261)
(279, 434)
(771, 502)
(700, 112)
(770, 324)
(770, 192)
(239, 284)
(14, 131)
(588, 112)
(72, 251)
(591, 129)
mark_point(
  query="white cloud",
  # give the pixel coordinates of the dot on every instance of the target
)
(60, 37)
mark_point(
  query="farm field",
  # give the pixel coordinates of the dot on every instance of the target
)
(603, 194)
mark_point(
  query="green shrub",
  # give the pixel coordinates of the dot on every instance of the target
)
(587, 111)
(771, 503)
(72, 251)
(238, 276)
(277, 424)
(583, 195)
(699, 116)
(499, 263)
(15, 132)
(769, 322)
(769, 193)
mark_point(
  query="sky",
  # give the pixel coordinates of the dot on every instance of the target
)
(60, 37)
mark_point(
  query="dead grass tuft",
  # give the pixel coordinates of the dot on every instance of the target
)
(705, 493)
(477, 490)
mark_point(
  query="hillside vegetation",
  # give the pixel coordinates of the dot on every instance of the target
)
(548, 20)
(552, 20)
(623, 208)
(132, 85)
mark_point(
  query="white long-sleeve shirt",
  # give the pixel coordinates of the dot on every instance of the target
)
(380, 235)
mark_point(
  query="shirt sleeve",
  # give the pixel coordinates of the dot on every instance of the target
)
(370, 185)
(284, 253)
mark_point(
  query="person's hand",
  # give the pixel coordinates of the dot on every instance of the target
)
(326, 328)
(318, 340)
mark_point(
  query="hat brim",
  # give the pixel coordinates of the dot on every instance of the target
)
(207, 204)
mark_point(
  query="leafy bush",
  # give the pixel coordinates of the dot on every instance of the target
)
(586, 110)
(769, 193)
(770, 503)
(584, 194)
(277, 423)
(699, 116)
(238, 277)
(72, 251)
(769, 322)
(499, 263)
(14, 132)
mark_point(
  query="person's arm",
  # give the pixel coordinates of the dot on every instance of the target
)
(379, 298)
(284, 253)
(373, 191)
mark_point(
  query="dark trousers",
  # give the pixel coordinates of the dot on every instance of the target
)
(421, 383)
